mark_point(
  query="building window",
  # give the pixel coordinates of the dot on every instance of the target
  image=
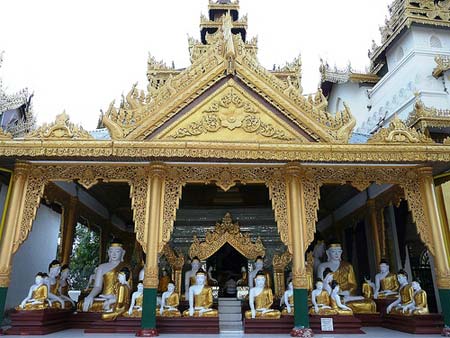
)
(435, 42)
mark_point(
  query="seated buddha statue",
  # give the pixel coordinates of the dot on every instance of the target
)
(54, 285)
(170, 302)
(320, 300)
(261, 300)
(419, 306)
(37, 298)
(135, 309)
(344, 275)
(243, 281)
(200, 298)
(405, 297)
(53, 300)
(259, 267)
(163, 281)
(335, 301)
(385, 286)
(190, 276)
(288, 300)
(64, 286)
(119, 304)
(105, 282)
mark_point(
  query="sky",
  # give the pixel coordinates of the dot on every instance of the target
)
(78, 56)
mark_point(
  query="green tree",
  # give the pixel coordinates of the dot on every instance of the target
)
(85, 256)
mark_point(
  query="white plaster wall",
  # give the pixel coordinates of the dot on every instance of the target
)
(410, 63)
(354, 95)
(34, 255)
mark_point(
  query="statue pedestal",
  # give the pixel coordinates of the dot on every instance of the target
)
(371, 319)
(382, 305)
(120, 325)
(39, 322)
(198, 325)
(425, 324)
(283, 325)
(341, 324)
(82, 320)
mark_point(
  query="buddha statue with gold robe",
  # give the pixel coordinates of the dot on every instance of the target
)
(405, 298)
(106, 282)
(260, 300)
(190, 276)
(64, 286)
(163, 281)
(385, 286)
(344, 275)
(200, 298)
(135, 309)
(321, 303)
(170, 302)
(259, 267)
(420, 303)
(119, 304)
(336, 305)
(37, 298)
(288, 300)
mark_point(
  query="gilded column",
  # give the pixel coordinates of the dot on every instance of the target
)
(374, 226)
(154, 219)
(70, 222)
(441, 259)
(297, 234)
(19, 181)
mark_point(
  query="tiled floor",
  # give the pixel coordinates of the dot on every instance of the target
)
(370, 333)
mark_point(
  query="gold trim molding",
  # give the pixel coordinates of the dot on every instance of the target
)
(226, 232)
(399, 132)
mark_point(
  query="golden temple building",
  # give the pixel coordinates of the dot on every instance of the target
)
(225, 161)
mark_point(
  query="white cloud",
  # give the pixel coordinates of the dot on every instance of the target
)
(80, 55)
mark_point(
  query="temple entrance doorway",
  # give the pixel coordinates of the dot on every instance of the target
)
(228, 264)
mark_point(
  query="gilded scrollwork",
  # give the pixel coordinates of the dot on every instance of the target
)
(280, 262)
(399, 132)
(226, 232)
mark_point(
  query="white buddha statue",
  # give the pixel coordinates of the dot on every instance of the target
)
(37, 298)
(288, 300)
(259, 267)
(386, 284)
(405, 298)
(117, 304)
(105, 279)
(335, 301)
(320, 299)
(169, 302)
(261, 300)
(200, 298)
(63, 291)
(135, 309)
(52, 282)
(419, 306)
(190, 276)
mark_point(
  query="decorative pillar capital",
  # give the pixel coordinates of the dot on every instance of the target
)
(150, 277)
(157, 169)
(443, 279)
(5, 274)
(300, 279)
(21, 169)
(425, 172)
(293, 169)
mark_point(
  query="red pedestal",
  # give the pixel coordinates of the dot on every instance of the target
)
(382, 304)
(39, 322)
(282, 326)
(426, 324)
(341, 324)
(197, 325)
(373, 319)
(120, 325)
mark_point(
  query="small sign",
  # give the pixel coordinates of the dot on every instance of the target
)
(326, 324)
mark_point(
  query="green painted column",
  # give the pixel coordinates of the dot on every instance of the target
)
(301, 318)
(444, 295)
(149, 309)
(3, 292)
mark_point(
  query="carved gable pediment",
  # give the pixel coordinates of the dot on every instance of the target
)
(231, 113)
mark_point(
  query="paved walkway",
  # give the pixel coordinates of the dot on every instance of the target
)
(371, 332)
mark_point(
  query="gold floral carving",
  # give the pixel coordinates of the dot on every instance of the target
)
(423, 117)
(151, 277)
(442, 65)
(5, 277)
(226, 232)
(62, 128)
(232, 112)
(443, 279)
(279, 262)
(300, 279)
(4, 135)
(176, 260)
(399, 132)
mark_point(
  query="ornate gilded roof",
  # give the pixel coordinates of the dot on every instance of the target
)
(423, 117)
(224, 61)
(442, 65)
(403, 13)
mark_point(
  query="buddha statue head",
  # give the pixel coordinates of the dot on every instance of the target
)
(65, 271)
(402, 277)
(54, 268)
(124, 275)
(195, 264)
(334, 252)
(46, 279)
(171, 287)
(39, 278)
(319, 284)
(260, 280)
(140, 286)
(416, 285)
(259, 263)
(384, 266)
(200, 277)
(116, 251)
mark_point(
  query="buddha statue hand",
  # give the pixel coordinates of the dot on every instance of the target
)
(87, 303)
(202, 311)
(253, 313)
(288, 308)
(191, 311)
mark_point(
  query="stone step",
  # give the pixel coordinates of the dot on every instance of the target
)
(230, 317)
(231, 328)
(229, 309)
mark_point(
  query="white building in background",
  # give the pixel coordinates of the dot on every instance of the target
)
(411, 65)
